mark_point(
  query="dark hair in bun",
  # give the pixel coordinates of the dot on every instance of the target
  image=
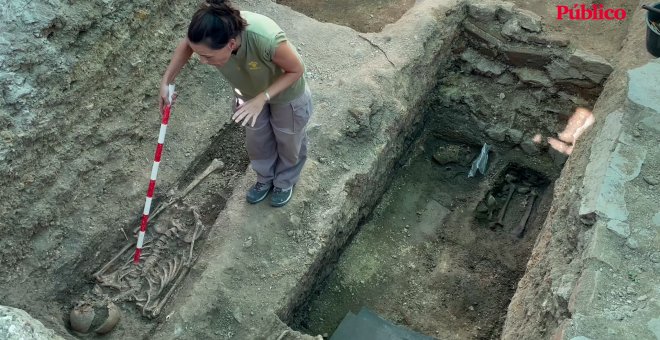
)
(215, 23)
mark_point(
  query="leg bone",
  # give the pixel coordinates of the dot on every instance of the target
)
(520, 229)
(500, 218)
(178, 281)
(215, 165)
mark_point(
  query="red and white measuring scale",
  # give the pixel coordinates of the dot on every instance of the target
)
(154, 173)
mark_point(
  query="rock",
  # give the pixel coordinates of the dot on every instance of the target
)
(620, 228)
(480, 124)
(632, 244)
(529, 147)
(595, 77)
(238, 316)
(602, 174)
(361, 115)
(656, 220)
(651, 180)
(527, 56)
(506, 79)
(652, 122)
(528, 20)
(482, 36)
(575, 84)
(643, 90)
(512, 30)
(481, 64)
(627, 160)
(505, 11)
(295, 220)
(590, 62)
(560, 69)
(540, 95)
(497, 133)
(515, 136)
(484, 12)
(563, 287)
(574, 99)
(248, 242)
(588, 219)
(549, 39)
(17, 324)
(533, 77)
(471, 103)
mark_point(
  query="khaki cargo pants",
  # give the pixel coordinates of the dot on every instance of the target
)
(277, 144)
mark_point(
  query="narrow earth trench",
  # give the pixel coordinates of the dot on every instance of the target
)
(431, 256)
(442, 253)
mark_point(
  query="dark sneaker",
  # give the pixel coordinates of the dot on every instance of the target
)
(258, 192)
(280, 196)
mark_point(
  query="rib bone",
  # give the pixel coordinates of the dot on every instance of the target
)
(178, 281)
(105, 267)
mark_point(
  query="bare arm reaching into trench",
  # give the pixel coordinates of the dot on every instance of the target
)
(182, 54)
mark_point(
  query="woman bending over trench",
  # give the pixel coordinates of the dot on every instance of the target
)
(272, 99)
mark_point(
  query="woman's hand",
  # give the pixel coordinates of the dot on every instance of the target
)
(250, 110)
(163, 97)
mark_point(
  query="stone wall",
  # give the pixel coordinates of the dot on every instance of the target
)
(593, 273)
(515, 83)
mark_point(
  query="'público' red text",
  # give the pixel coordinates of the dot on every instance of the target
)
(593, 12)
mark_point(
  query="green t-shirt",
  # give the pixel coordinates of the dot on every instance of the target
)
(251, 70)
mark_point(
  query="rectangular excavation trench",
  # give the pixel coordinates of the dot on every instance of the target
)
(442, 253)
